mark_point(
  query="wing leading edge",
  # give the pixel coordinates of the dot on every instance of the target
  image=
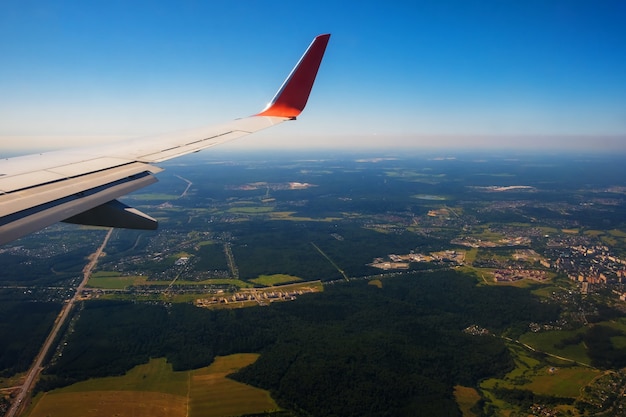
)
(81, 186)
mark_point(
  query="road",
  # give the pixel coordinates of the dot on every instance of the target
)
(547, 353)
(331, 262)
(230, 258)
(36, 367)
(189, 184)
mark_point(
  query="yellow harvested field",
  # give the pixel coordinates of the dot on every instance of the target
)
(214, 395)
(375, 282)
(110, 403)
(466, 398)
(154, 390)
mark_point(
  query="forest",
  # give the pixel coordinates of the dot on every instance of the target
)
(353, 350)
(23, 330)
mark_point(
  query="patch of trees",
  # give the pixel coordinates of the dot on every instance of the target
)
(524, 398)
(24, 327)
(212, 257)
(570, 341)
(600, 347)
(360, 246)
(398, 350)
(604, 313)
(111, 337)
(29, 270)
(286, 248)
(601, 350)
(352, 350)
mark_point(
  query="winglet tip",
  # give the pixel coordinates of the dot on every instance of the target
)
(293, 95)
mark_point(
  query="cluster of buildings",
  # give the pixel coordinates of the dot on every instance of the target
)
(515, 274)
(473, 242)
(261, 296)
(272, 186)
(476, 330)
(591, 264)
(404, 261)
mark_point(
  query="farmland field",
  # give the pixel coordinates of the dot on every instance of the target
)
(561, 382)
(466, 397)
(546, 342)
(213, 395)
(269, 280)
(111, 282)
(153, 389)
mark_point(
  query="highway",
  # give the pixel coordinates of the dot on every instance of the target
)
(36, 367)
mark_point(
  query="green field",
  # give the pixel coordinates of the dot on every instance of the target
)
(617, 233)
(545, 341)
(116, 282)
(288, 215)
(470, 256)
(250, 210)
(561, 382)
(113, 280)
(153, 389)
(154, 376)
(154, 197)
(541, 376)
(546, 291)
(270, 280)
(594, 233)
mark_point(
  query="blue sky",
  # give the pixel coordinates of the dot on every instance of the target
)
(533, 73)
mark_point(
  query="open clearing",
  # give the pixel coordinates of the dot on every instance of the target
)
(214, 395)
(269, 280)
(111, 403)
(538, 375)
(250, 210)
(561, 382)
(546, 341)
(116, 282)
(466, 398)
(153, 389)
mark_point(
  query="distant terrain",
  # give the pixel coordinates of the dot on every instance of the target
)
(457, 284)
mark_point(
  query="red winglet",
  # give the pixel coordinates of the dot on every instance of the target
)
(290, 100)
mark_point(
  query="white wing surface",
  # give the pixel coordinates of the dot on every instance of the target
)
(81, 186)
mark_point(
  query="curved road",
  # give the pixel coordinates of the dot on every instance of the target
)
(36, 368)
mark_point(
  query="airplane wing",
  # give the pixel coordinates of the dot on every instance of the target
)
(81, 186)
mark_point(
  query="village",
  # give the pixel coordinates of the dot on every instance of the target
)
(591, 266)
(259, 296)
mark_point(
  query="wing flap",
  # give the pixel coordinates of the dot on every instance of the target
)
(29, 179)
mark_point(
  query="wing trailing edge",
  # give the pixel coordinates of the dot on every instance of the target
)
(81, 186)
